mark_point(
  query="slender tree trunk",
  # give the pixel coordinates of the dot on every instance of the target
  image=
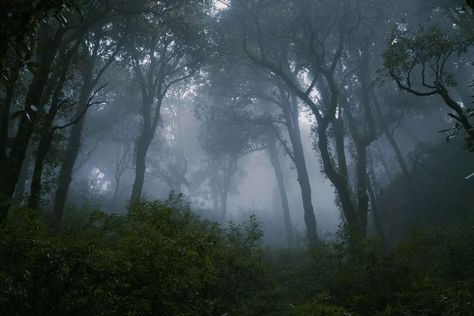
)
(339, 181)
(379, 155)
(391, 140)
(65, 174)
(224, 196)
(364, 136)
(4, 124)
(23, 177)
(42, 151)
(215, 197)
(373, 191)
(140, 168)
(291, 113)
(274, 158)
(362, 185)
(5, 109)
(338, 126)
(378, 224)
(45, 132)
(230, 167)
(27, 122)
(122, 164)
(73, 146)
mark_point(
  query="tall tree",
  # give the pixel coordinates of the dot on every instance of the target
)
(164, 49)
(97, 58)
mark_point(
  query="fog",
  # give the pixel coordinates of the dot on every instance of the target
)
(208, 99)
(236, 157)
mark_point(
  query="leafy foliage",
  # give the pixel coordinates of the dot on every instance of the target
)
(159, 259)
(427, 274)
(162, 259)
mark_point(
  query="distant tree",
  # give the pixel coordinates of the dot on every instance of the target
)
(226, 135)
(165, 46)
(311, 58)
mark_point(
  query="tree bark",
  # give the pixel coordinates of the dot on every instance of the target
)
(140, 167)
(27, 121)
(275, 160)
(393, 143)
(45, 132)
(23, 177)
(5, 109)
(73, 146)
(291, 113)
(362, 185)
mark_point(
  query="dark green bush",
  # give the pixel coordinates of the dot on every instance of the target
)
(429, 273)
(160, 259)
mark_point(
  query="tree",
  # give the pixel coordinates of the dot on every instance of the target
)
(96, 61)
(165, 48)
(308, 57)
(226, 134)
(419, 65)
(50, 39)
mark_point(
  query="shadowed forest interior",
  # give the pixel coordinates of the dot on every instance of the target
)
(237, 157)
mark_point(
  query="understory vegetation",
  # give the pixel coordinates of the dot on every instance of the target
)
(161, 259)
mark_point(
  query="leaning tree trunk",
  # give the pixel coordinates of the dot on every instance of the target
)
(274, 158)
(23, 177)
(73, 146)
(45, 132)
(393, 143)
(90, 80)
(291, 116)
(27, 122)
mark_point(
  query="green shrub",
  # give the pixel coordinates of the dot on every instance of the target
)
(160, 259)
(429, 273)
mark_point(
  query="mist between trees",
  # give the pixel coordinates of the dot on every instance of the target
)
(343, 128)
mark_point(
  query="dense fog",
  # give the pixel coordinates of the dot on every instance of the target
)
(319, 121)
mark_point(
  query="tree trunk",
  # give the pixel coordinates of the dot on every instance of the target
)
(23, 177)
(27, 122)
(274, 158)
(73, 146)
(291, 113)
(42, 151)
(45, 132)
(339, 181)
(140, 167)
(14, 74)
(362, 189)
(373, 191)
(393, 143)
(224, 196)
(65, 174)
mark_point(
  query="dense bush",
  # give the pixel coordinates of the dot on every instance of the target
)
(160, 259)
(429, 273)
(432, 201)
